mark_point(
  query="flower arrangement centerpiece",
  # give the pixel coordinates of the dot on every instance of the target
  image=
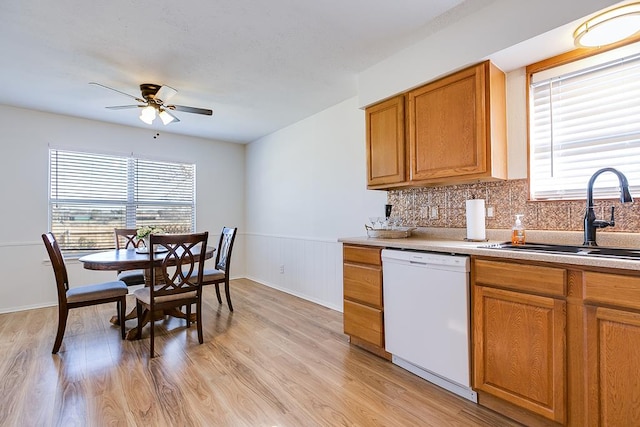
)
(146, 231)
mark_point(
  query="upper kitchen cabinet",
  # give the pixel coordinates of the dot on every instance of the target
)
(386, 143)
(457, 128)
(456, 132)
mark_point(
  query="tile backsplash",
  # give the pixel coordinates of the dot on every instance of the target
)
(445, 207)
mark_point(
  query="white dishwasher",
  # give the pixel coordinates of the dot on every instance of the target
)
(426, 316)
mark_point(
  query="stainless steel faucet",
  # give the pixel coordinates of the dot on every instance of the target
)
(590, 221)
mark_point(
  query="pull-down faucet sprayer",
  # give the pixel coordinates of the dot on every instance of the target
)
(590, 221)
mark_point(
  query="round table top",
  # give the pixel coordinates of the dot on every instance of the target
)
(125, 259)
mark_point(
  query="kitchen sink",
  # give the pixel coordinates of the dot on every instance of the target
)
(620, 253)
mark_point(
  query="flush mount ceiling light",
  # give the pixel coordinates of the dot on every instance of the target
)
(609, 27)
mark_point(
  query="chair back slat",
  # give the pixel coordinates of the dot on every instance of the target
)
(127, 238)
(59, 268)
(175, 259)
(225, 246)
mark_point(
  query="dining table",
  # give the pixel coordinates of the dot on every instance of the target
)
(134, 259)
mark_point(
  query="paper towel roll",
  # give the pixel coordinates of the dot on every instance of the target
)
(475, 220)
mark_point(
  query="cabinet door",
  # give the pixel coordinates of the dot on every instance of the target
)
(519, 350)
(612, 304)
(446, 127)
(457, 127)
(613, 367)
(386, 143)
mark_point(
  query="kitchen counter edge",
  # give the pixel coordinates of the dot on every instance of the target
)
(461, 247)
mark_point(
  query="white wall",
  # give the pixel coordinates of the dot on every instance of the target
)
(306, 187)
(306, 183)
(26, 136)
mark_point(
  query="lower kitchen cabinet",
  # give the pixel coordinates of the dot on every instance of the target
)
(364, 322)
(519, 337)
(363, 306)
(556, 344)
(613, 349)
(553, 344)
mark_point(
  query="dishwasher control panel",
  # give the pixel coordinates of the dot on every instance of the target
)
(427, 258)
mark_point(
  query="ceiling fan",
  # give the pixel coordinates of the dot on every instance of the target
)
(154, 102)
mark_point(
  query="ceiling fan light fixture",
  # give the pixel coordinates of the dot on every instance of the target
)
(609, 27)
(148, 115)
(153, 102)
(147, 120)
(165, 117)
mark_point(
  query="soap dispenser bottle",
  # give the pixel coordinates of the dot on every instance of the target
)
(517, 232)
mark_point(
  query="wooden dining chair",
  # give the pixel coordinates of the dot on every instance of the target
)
(220, 274)
(126, 238)
(82, 296)
(176, 279)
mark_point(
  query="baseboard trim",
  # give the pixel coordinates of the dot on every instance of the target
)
(28, 307)
(296, 294)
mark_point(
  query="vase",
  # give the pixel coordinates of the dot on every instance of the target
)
(147, 243)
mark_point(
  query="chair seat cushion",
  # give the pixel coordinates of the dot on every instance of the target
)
(211, 275)
(132, 277)
(97, 291)
(144, 295)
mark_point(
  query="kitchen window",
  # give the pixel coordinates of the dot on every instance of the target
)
(91, 194)
(584, 116)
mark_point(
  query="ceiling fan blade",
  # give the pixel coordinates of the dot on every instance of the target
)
(164, 94)
(124, 107)
(191, 109)
(119, 91)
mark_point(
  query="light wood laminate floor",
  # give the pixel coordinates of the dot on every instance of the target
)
(277, 360)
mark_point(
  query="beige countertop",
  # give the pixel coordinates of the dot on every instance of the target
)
(452, 241)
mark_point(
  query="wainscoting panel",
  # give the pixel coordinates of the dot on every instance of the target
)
(309, 268)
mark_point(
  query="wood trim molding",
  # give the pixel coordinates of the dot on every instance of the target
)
(575, 55)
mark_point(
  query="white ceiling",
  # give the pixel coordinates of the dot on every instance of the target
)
(260, 65)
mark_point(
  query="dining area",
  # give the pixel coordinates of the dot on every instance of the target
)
(277, 359)
(164, 272)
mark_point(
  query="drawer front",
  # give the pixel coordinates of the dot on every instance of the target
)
(362, 254)
(528, 278)
(612, 289)
(363, 322)
(363, 284)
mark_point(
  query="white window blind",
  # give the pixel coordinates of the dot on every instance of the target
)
(583, 120)
(91, 194)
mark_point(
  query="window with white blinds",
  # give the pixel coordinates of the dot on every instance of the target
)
(91, 194)
(583, 117)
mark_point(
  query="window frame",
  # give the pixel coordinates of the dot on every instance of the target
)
(552, 62)
(133, 197)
